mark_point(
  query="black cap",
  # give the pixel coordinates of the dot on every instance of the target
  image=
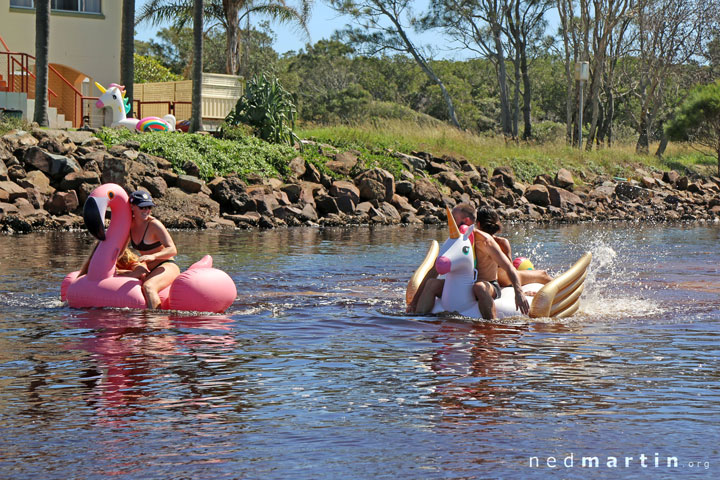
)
(141, 199)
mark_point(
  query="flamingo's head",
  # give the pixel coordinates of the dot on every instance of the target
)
(107, 196)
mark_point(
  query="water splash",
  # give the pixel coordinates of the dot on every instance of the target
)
(608, 286)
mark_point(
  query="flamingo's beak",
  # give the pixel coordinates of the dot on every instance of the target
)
(94, 215)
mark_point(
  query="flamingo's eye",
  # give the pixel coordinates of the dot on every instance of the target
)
(111, 195)
(466, 250)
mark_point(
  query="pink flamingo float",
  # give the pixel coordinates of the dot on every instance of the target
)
(199, 288)
(114, 98)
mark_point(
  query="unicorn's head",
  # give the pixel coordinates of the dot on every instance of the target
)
(456, 254)
(114, 98)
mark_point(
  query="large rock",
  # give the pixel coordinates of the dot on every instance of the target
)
(16, 139)
(381, 176)
(559, 197)
(451, 180)
(61, 203)
(55, 166)
(9, 191)
(73, 180)
(37, 180)
(411, 162)
(189, 183)
(230, 194)
(507, 175)
(326, 205)
(670, 177)
(124, 171)
(297, 167)
(343, 164)
(631, 192)
(538, 194)
(371, 190)
(427, 191)
(564, 179)
(341, 188)
(182, 210)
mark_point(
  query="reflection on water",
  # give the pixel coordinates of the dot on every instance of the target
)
(316, 372)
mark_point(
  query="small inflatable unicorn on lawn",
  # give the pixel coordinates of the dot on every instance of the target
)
(114, 98)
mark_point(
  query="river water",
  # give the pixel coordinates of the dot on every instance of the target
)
(316, 372)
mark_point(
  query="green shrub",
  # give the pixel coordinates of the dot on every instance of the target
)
(8, 123)
(213, 157)
(149, 69)
(268, 108)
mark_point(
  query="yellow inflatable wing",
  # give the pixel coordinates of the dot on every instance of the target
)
(561, 297)
(421, 272)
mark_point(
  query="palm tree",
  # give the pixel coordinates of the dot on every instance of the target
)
(229, 13)
(127, 49)
(196, 113)
(42, 42)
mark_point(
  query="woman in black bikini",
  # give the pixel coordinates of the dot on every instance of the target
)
(155, 245)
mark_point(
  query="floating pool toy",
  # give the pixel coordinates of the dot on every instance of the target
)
(199, 288)
(558, 298)
(114, 98)
(522, 263)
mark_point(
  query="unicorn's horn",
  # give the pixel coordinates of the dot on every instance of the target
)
(454, 232)
(100, 87)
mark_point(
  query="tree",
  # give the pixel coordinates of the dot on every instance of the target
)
(127, 50)
(479, 26)
(173, 48)
(197, 73)
(149, 69)
(669, 34)
(229, 14)
(42, 42)
(382, 29)
(698, 119)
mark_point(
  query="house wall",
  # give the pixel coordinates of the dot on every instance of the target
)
(88, 43)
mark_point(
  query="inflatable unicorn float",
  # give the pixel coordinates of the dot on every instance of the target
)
(113, 97)
(199, 288)
(455, 259)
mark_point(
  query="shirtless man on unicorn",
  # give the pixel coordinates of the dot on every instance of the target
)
(489, 259)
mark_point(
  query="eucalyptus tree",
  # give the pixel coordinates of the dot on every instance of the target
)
(480, 26)
(526, 24)
(229, 14)
(670, 34)
(197, 71)
(383, 27)
(127, 49)
(42, 42)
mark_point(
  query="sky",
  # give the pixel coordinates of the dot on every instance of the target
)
(324, 21)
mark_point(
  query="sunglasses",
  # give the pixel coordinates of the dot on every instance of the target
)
(145, 208)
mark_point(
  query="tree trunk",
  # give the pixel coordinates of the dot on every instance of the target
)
(527, 95)
(505, 120)
(516, 98)
(196, 121)
(424, 66)
(643, 142)
(663, 145)
(42, 42)
(231, 9)
(127, 51)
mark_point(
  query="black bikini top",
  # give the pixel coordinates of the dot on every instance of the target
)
(142, 246)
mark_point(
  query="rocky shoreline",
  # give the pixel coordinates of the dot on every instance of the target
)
(46, 175)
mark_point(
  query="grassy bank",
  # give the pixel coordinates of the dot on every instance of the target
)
(527, 159)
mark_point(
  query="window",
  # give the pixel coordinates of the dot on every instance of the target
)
(82, 6)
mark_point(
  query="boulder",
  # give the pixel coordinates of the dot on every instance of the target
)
(381, 176)
(230, 194)
(425, 190)
(73, 180)
(124, 171)
(370, 189)
(450, 180)
(189, 183)
(182, 210)
(543, 179)
(157, 186)
(538, 194)
(326, 205)
(390, 213)
(671, 177)
(507, 175)
(297, 167)
(343, 163)
(411, 162)
(559, 197)
(16, 139)
(631, 192)
(402, 204)
(9, 191)
(55, 166)
(342, 188)
(564, 179)
(61, 203)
